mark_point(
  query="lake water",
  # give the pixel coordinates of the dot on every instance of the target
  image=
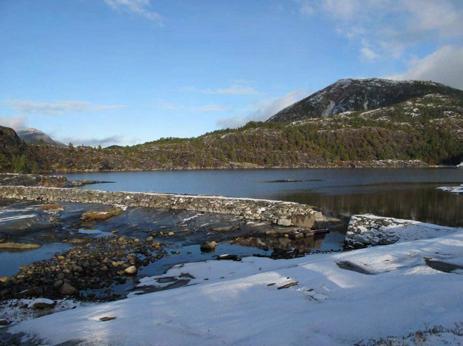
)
(403, 193)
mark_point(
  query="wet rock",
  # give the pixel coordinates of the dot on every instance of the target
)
(228, 257)
(4, 279)
(51, 207)
(18, 246)
(132, 270)
(226, 228)
(100, 215)
(4, 322)
(68, 290)
(208, 246)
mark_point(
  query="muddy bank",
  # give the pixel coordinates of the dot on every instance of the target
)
(277, 212)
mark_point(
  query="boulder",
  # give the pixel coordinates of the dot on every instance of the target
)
(68, 290)
(132, 270)
(208, 246)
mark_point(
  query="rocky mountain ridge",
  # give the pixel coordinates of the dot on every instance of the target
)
(352, 95)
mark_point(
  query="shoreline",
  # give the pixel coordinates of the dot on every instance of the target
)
(376, 164)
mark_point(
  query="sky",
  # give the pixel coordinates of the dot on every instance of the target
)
(103, 72)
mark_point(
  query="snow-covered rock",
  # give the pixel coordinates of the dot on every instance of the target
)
(310, 300)
(370, 230)
(452, 189)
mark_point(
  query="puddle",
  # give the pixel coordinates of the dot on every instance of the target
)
(192, 253)
(11, 261)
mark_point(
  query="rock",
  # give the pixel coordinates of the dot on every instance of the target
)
(132, 270)
(208, 246)
(4, 279)
(100, 215)
(42, 303)
(107, 318)
(68, 290)
(288, 285)
(229, 257)
(226, 228)
(171, 234)
(51, 207)
(369, 230)
(4, 322)
(284, 222)
(18, 246)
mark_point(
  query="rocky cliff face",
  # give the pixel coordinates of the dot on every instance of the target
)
(348, 95)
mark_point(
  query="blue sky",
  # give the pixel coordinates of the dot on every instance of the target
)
(128, 71)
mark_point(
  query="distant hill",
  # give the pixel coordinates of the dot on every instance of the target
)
(352, 123)
(13, 151)
(34, 136)
(351, 95)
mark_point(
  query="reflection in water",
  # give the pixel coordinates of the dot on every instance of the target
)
(405, 193)
(412, 201)
(11, 261)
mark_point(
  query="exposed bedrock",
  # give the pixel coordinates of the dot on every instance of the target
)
(277, 212)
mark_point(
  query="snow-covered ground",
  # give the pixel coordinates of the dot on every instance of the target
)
(453, 189)
(360, 296)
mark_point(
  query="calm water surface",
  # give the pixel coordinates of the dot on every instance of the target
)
(404, 193)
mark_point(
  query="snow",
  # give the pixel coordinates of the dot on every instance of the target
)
(246, 303)
(16, 310)
(452, 189)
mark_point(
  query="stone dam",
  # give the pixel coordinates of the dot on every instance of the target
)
(276, 212)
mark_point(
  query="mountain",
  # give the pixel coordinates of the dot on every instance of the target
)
(404, 124)
(348, 95)
(34, 136)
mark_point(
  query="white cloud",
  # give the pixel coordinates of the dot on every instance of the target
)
(262, 110)
(15, 122)
(210, 108)
(445, 65)
(306, 7)
(368, 53)
(139, 7)
(94, 142)
(58, 107)
(235, 89)
(392, 26)
(175, 107)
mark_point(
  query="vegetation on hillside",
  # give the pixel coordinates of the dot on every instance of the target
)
(428, 128)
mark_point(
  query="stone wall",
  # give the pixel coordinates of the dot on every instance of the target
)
(278, 212)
